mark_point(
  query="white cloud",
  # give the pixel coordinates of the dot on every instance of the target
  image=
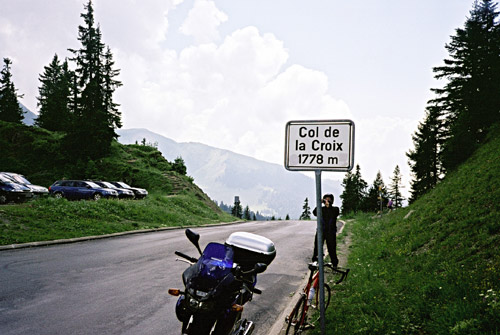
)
(235, 93)
(202, 22)
(376, 149)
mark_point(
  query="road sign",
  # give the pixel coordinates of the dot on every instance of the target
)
(326, 145)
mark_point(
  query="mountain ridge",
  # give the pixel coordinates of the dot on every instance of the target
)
(222, 174)
(265, 187)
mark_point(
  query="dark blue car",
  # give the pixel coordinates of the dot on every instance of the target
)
(17, 178)
(80, 189)
(10, 191)
(139, 193)
(122, 193)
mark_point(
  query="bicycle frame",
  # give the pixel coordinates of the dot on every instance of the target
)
(310, 291)
(313, 283)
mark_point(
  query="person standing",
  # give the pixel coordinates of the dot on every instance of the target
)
(329, 215)
(390, 204)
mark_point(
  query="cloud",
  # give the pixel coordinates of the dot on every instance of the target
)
(202, 22)
(237, 95)
(235, 92)
(377, 151)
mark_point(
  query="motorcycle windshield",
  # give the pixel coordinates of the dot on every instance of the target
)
(217, 258)
(213, 267)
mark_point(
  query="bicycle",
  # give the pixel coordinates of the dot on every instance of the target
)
(297, 320)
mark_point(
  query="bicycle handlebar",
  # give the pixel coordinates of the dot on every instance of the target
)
(343, 272)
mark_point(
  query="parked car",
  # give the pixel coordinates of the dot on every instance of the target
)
(10, 191)
(123, 193)
(139, 193)
(37, 190)
(80, 189)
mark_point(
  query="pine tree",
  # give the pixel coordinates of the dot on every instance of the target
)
(395, 188)
(375, 196)
(306, 211)
(470, 100)
(10, 110)
(179, 166)
(425, 159)
(54, 99)
(96, 115)
(348, 196)
(354, 191)
(237, 210)
(110, 86)
(246, 213)
(360, 186)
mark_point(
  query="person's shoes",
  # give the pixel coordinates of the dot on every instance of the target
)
(335, 262)
(308, 326)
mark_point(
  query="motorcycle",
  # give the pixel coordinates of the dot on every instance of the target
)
(220, 282)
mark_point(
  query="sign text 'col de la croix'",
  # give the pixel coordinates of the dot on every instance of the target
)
(326, 145)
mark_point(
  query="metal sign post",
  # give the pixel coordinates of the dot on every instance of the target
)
(319, 236)
(325, 145)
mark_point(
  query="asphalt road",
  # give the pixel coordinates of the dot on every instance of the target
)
(119, 285)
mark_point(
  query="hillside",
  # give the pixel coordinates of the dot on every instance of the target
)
(174, 198)
(39, 154)
(431, 268)
(222, 174)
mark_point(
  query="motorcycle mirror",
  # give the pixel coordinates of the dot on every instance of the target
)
(194, 238)
(260, 267)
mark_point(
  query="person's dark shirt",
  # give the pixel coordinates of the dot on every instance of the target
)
(328, 217)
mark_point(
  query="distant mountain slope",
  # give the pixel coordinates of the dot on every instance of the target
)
(222, 174)
(29, 116)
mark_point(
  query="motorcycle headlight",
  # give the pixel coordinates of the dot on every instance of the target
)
(201, 294)
(195, 304)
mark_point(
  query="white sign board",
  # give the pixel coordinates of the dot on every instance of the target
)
(319, 145)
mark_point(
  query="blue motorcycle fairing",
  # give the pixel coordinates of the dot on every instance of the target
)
(212, 273)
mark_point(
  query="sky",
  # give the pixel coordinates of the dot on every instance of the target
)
(232, 73)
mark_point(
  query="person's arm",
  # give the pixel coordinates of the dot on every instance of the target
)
(315, 212)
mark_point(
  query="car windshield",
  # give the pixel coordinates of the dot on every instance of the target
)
(122, 184)
(108, 184)
(20, 179)
(5, 179)
(92, 184)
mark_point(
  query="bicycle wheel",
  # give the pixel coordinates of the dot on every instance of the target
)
(296, 317)
(328, 293)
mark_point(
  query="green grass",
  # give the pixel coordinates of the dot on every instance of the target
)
(174, 200)
(49, 219)
(436, 271)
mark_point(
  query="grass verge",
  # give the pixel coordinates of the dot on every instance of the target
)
(431, 268)
(50, 219)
